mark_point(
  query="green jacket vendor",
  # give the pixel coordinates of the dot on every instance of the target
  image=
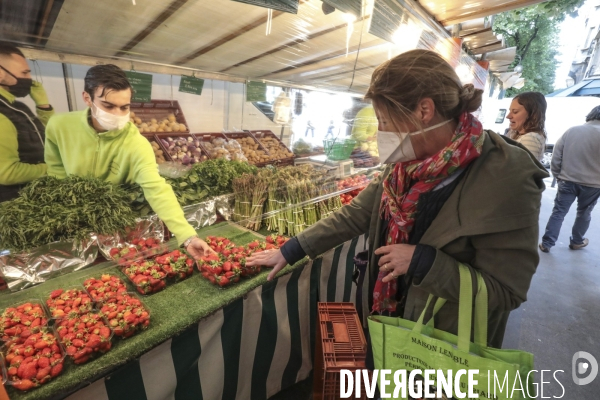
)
(451, 193)
(101, 141)
(21, 131)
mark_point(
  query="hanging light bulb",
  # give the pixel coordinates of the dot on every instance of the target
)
(349, 18)
(407, 35)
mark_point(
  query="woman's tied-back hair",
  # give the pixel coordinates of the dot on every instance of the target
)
(535, 105)
(398, 85)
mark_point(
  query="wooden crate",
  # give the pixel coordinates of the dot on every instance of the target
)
(162, 136)
(152, 138)
(244, 135)
(279, 162)
(160, 109)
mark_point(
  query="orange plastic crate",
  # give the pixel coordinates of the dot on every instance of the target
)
(340, 344)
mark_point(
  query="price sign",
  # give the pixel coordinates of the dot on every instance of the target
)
(191, 84)
(256, 91)
(141, 85)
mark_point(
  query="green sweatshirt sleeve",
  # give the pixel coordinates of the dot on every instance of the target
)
(159, 193)
(12, 170)
(44, 115)
(52, 154)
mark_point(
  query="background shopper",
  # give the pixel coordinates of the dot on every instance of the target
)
(527, 118)
(576, 166)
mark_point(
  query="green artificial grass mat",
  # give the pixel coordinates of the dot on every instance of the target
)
(172, 310)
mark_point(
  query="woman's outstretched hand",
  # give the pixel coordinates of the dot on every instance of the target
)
(268, 258)
(395, 259)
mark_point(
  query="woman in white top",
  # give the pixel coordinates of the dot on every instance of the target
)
(527, 117)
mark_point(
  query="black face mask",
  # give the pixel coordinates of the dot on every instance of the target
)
(22, 87)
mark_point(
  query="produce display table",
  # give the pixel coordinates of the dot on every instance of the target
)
(249, 341)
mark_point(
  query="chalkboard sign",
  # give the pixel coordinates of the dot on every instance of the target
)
(191, 84)
(141, 85)
(290, 6)
(256, 91)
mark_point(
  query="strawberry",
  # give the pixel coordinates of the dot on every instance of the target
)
(43, 362)
(42, 373)
(223, 281)
(27, 371)
(56, 370)
(24, 384)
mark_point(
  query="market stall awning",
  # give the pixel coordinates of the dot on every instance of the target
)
(450, 12)
(312, 45)
(589, 87)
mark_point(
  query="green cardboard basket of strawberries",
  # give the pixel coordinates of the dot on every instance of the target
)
(84, 336)
(177, 264)
(34, 362)
(147, 276)
(104, 288)
(63, 303)
(126, 314)
(23, 319)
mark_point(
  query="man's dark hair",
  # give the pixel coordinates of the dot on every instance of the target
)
(107, 76)
(7, 49)
(594, 115)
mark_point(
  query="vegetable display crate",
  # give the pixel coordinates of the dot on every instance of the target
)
(281, 162)
(206, 141)
(340, 344)
(165, 154)
(339, 149)
(249, 138)
(159, 110)
(184, 148)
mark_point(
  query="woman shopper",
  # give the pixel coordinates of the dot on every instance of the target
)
(527, 118)
(450, 193)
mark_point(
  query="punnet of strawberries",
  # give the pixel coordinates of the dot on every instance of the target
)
(23, 319)
(84, 336)
(63, 303)
(125, 315)
(147, 276)
(33, 362)
(229, 264)
(176, 264)
(104, 288)
(137, 249)
(358, 182)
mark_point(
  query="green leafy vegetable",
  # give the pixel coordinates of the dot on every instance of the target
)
(50, 209)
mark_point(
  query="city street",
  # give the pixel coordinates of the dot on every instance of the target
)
(560, 316)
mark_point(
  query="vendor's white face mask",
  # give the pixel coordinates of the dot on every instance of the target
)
(109, 121)
(396, 147)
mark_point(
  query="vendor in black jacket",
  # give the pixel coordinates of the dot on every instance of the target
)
(21, 131)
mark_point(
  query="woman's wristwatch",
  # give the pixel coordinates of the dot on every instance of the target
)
(188, 241)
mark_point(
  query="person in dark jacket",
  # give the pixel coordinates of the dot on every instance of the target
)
(21, 131)
(451, 193)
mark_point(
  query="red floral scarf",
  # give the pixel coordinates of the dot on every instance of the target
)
(403, 187)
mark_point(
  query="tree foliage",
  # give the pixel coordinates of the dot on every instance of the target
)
(534, 31)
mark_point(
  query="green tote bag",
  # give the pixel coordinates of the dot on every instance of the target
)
(402, 345)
